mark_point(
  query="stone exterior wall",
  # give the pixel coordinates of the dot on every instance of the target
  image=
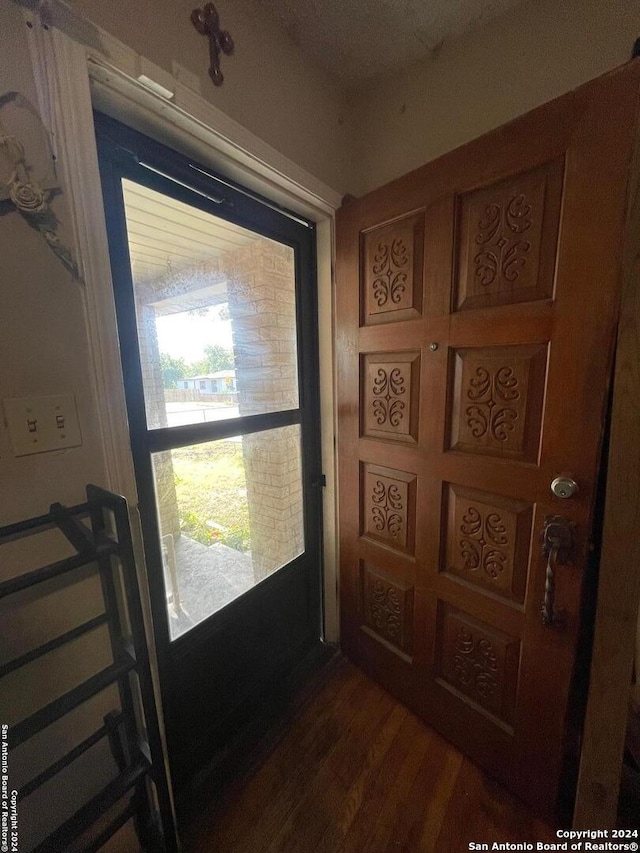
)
(202, 274)
(261, 294)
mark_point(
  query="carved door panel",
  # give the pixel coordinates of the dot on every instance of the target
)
(477, 304)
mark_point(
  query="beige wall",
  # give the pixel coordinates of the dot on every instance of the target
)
(43, 342)
(269, 86)
(538, 51)
(44, 350)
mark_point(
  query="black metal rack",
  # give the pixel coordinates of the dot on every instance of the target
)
(105, 542)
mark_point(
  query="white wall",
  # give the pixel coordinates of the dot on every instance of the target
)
(269, 86)
(533, 54)
(42, 332)
(44, 350)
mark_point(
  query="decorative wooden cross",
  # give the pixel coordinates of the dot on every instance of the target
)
(207, 23)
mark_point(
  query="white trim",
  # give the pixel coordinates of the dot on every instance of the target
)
(61, 68)
(188, 116)
(239, 147)
(87, 67)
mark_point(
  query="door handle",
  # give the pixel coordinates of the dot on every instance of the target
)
(557, 544)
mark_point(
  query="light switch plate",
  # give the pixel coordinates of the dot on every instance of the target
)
(41, 424)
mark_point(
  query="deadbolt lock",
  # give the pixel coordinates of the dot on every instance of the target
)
(564, 487)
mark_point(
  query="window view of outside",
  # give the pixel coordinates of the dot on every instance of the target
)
(198, 377)
(215, 306)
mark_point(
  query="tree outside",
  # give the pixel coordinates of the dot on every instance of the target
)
(215, 358)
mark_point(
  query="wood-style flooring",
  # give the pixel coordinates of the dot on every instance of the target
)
(356, 772)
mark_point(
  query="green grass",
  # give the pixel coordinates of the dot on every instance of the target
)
(211, 486)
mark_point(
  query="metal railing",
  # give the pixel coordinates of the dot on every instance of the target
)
(106, 543)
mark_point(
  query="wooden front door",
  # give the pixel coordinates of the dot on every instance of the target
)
(477, 301)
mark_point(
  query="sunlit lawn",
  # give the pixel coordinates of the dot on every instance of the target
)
(211, 487)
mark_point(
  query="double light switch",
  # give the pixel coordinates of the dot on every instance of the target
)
(40, 424)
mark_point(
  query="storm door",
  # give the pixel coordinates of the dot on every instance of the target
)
(216, 307)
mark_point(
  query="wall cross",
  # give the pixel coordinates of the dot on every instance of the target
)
(207, 23)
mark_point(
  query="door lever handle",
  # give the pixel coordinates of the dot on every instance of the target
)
(557, 544)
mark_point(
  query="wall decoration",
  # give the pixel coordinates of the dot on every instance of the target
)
(207, 23)
(24, 193)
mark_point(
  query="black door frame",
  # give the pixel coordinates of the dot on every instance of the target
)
(126, 153)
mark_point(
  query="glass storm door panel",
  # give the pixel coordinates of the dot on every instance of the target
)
(215, 308)
(215, 298)
(230, 513)
(216, 313)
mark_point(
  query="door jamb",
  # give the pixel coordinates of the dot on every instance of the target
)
(617, 620)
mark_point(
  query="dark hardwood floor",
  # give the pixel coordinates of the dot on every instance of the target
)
(355, 772)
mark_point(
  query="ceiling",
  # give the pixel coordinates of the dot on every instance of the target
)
(167, 237)
(359, 39)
